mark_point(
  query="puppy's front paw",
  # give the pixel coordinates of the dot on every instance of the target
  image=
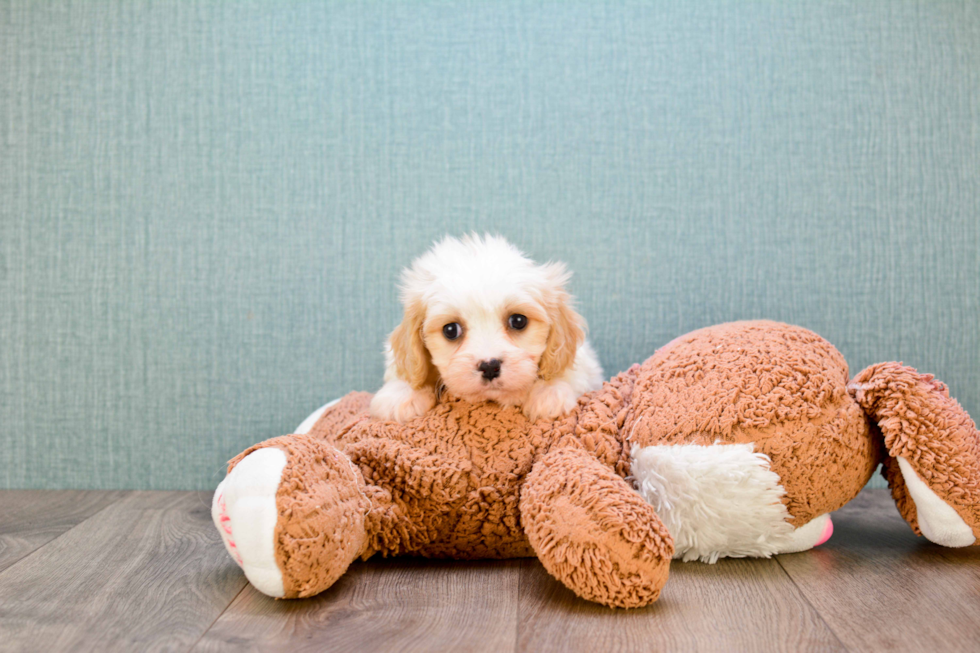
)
(398, 401)
(549, 400)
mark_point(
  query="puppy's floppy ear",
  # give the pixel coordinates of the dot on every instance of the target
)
(567, 327)
(412, 360)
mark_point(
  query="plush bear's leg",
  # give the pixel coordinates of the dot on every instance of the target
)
(933, 463)
(292, 512)
(593, 532)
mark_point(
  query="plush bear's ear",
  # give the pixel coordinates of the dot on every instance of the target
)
(412, 360)
(567, 326)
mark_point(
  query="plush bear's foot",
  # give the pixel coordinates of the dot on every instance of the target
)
(291, 513)
(937, 520)
(933, 447)
(244, 510)
(813, 533)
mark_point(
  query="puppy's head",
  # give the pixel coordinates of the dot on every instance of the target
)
(485, 320)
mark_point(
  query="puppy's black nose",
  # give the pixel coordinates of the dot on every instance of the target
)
(490, 368)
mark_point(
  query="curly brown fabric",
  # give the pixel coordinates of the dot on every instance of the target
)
(923, 424)
(780, 387)
(322, 506)
(480, 481)
(593, 532)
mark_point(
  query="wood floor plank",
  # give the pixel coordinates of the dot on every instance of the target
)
(733, 605)
(403, 604)
(30, 519)
(879, 587)
(146, 573)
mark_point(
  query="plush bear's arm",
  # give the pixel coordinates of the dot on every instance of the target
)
(593, 532)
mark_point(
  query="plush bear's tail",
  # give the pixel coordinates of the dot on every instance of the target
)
(932, 451)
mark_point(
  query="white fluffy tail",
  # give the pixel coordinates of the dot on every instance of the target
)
(720, 501)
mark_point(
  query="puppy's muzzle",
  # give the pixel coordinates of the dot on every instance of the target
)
(490, 369)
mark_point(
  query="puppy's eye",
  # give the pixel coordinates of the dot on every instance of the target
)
(517, 321)
(452, 330)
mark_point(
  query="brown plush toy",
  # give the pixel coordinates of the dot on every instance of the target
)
(735, 440)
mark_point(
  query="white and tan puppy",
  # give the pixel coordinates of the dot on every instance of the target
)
(489, 324)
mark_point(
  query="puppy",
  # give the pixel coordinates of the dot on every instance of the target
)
(488, 324)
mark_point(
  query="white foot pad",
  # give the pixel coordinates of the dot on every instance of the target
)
(813, 533)
(937, 519)
(244, 510)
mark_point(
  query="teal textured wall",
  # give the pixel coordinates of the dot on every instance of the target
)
(204, 205)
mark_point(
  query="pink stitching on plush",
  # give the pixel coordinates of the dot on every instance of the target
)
(226, 526)
(828, 530)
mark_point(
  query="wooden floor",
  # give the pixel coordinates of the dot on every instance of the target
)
(135, 571)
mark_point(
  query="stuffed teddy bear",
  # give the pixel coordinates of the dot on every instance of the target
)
(734, 440)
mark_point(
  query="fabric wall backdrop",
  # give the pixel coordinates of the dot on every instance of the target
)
(204, 205)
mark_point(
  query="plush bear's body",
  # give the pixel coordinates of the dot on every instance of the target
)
(733, 440)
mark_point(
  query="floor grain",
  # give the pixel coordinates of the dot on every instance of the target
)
(30, 519)
(734, 605)
(406, 604)
(146, 573)
(880, 587)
